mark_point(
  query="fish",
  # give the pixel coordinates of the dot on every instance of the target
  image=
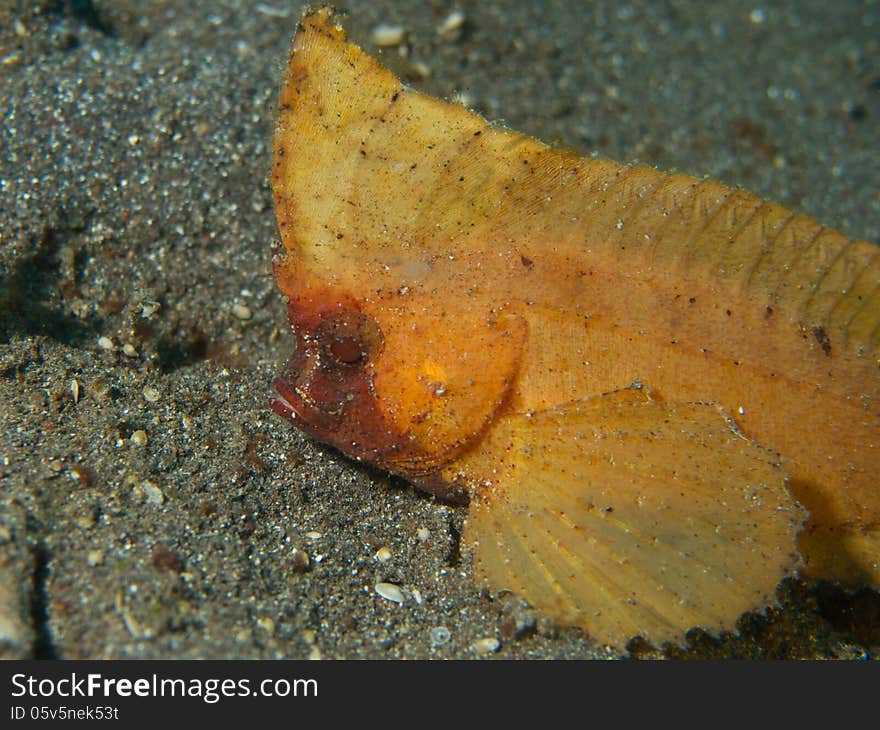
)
(658, 396)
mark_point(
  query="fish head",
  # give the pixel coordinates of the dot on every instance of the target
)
(391, 377)
(326, 388)
(402, 356)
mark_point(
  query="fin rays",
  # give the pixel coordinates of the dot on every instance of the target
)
(635, 517)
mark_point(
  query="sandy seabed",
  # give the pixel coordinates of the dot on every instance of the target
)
(150, 503)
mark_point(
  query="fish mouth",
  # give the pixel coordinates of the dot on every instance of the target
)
(294, 403)
(280, 403)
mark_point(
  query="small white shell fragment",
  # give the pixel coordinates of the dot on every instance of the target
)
(452, 24)
(148, 309)
(440, 635)
(140, 438)
(267, 624)
(489, 645)
(242, 311)
(300, 559)
(386, 35)
(10, 59)
(129, 350)
(153, 493)
(151, 394)
(421, 69)
(423, 533)
(313, 535)
(389, 592)
(271, 10)
(383, 554)
(105, 343)
(74, 390)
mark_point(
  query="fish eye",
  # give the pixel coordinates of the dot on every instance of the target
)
(347, 350)
(349, 338)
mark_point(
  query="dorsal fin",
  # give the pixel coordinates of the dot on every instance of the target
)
(378, 165)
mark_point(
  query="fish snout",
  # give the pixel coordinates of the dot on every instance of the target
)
(307, 396)
(328, 379)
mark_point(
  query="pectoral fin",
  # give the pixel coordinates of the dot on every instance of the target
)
(628, 516)
(442, 378)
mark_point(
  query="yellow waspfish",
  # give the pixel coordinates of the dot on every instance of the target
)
(659, 395)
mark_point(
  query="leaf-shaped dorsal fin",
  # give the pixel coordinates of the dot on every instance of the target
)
(628, 516)
(370, 175)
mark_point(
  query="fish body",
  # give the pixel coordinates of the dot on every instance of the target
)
(658, 394)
